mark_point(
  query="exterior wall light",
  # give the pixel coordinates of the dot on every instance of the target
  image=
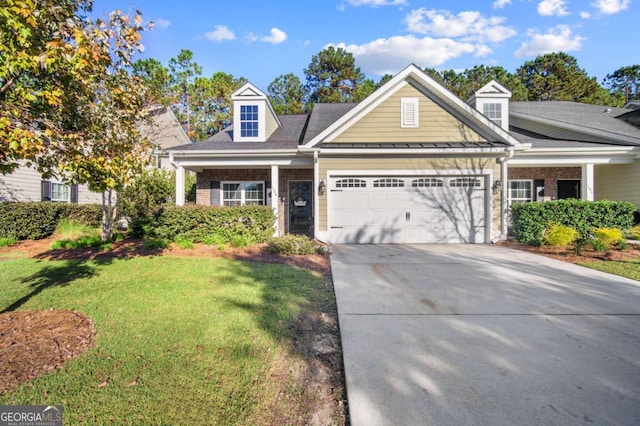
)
(322, 187)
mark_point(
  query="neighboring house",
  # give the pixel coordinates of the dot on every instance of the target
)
(26, 183)
(412, 163)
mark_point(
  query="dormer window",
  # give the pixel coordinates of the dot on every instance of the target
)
(493, 111)
(249, 121)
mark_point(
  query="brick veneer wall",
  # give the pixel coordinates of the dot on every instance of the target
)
(551, 175)
(203, 189)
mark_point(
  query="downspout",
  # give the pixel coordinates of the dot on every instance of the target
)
(503, 195)
(316, 196)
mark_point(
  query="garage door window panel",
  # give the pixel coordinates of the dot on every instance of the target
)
(388, 183)
(351, 183)
(465, 182)
(426, 183)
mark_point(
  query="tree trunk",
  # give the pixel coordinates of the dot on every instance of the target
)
(110, 205)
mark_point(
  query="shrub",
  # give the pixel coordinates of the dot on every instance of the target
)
(81, 242)
(215, 240)
(148, 192)
(36, 220)
(184, 243)
(294, 245)
(199, 223)
(71, 229)
(241, 241)
(155, 243)
(530, 219)
(7, 241)
(559, 235)
(634, 232)
(609, 236)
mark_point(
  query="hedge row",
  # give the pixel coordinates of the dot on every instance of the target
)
(530, 219)
(201, 223)
(37, 220)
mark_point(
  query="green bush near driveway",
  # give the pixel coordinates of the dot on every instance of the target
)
(530, 219)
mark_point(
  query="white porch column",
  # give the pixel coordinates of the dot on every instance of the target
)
(586, 184)
(275, 197)
(179, 186)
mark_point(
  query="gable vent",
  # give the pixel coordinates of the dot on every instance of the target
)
(409, 112)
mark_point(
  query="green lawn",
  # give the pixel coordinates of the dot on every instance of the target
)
(201, 338)
(626, 268)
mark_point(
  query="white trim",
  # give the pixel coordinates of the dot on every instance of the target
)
(243, 184)
(275, 197)
(180, 195)
(59, 200)
(587, 182)
(531, 190)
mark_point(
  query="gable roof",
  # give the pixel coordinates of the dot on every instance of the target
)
(576, 121)
(323, 116)
(492, 89)
(414, 76)
(164, 130)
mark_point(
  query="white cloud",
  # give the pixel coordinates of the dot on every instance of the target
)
(557, 39)
(467, 25)
(552, 8)
(376, 3)
(499, 4)
(610, 7)
(161, 23)
(585, 15)
(276, 36)
(388, 56)
(220, 33)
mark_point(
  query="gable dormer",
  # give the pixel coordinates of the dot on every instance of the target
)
(492, 100)
(254, 119)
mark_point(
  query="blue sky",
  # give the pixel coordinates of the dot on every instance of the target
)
(261, 40)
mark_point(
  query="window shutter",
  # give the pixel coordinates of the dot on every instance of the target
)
(45, 193)
(215, 192)
(267, 190)
(409, 112)
(74, 194)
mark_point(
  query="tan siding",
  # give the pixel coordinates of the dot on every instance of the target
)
(618, 182)
(478, 165)
(382, 124)
(271, 123)
(24, 184)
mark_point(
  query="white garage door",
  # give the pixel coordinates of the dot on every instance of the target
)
(407, 209)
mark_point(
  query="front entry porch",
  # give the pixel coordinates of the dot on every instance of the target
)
(289, 191)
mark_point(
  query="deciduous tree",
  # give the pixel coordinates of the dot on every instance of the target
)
(68, 104)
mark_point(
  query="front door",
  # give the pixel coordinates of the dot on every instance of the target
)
(300, 207)
(569, 188)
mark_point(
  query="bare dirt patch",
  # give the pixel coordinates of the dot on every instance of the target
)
(35, 342)
(319, 380)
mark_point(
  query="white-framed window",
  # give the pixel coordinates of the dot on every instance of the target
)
(388, 183)
(409, 116)
(493, 111)
(520, 191)
(242, 193)
(60, 192)
(249, 121)
(351, 183)
(426, 183)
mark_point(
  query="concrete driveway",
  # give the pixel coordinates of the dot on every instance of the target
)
(484, 335)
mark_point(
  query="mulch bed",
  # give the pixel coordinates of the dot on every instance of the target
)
(35, 342)
(567, 254)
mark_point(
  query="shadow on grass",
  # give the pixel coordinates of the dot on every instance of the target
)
(53, 275)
